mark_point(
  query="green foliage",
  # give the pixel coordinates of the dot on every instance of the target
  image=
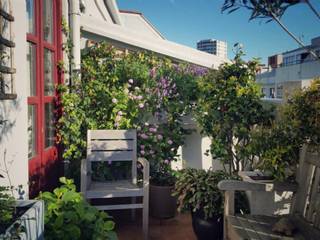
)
(7, 208)
(197, 189)
(302, 113)
(124, 91)
(69, 216)
(277, 147)
(229, 107)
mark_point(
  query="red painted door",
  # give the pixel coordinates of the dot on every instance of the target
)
(43, 53)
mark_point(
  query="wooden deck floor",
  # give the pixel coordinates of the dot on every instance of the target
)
(177, 228)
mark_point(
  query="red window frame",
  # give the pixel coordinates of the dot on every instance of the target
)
(44, 167)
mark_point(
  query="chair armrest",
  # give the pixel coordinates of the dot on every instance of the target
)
(146, 170)
(234, 185)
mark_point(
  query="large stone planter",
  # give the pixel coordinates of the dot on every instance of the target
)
(32, 220)
(266, 203)
(162, 204)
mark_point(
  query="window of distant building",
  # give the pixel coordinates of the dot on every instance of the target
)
(280, 91)
(272, 93)
(289, 60)
(263, 91)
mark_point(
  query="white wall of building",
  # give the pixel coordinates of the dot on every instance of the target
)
(297, 75)
(13, 135)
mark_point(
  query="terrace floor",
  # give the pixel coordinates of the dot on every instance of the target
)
(177, 228)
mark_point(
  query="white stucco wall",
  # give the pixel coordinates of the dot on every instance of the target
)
(193, 153)
(14, 138)
(297, 74)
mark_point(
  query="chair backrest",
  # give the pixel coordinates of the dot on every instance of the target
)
(307, 199)
(111, 146)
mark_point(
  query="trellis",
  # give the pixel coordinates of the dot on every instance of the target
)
(7, 70)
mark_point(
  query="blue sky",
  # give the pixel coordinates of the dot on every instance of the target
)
(187, 21)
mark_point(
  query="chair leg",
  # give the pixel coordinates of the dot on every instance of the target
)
(145, 217)
(145, 223)
(133, 211)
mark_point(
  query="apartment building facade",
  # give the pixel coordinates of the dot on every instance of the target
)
(213, 46)
(289, 71)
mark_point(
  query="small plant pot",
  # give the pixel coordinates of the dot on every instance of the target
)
(31, 222)
(205, 229)
(162, 204)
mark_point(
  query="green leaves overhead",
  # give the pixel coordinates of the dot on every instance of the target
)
(260, 8)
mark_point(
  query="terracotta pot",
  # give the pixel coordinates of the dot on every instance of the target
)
(162, 204)
(211, 228)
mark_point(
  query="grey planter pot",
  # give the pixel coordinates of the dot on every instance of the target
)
(32, 221)
(162, 204)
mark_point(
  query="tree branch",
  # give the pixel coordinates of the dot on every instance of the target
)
(312, 8)
(275, 18)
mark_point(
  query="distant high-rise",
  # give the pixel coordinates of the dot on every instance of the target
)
(213, 46)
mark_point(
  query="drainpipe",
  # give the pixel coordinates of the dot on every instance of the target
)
(74, 15)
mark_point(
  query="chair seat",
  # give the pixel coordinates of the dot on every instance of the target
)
(257, 227)
(111, 189)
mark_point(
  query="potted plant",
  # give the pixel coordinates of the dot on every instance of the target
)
(19, 219)
(159, 143)
(69, 216)
(197, 191)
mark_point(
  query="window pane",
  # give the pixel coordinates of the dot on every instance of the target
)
(48, 73)
(49, 125)
(31, 69)
(47, 17)
(31, 131)
(31, 16)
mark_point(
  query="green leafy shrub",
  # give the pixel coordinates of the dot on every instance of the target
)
(118, 91)
(69, 216)
(7, 208)
(197, 189)
(229, 107)
(277, 147)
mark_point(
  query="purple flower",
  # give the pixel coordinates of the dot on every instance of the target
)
(144, 136)
(141, 105)
(142, 152)
(166, 161)
(130, 81)
(120, 113)
(142, 146)
(153, 72)
(114, 100)
(139, 97)
(160, 137)
(153, 130)
(170, 142)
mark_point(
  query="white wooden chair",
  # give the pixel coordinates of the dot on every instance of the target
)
(305, 209)
(115, 145)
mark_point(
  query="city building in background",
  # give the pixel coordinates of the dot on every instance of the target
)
(288, 71)
(213, 46)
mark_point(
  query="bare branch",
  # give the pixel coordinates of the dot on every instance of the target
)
(312, 8)
(275, 18)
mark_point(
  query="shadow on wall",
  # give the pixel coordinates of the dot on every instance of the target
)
(6, 123)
